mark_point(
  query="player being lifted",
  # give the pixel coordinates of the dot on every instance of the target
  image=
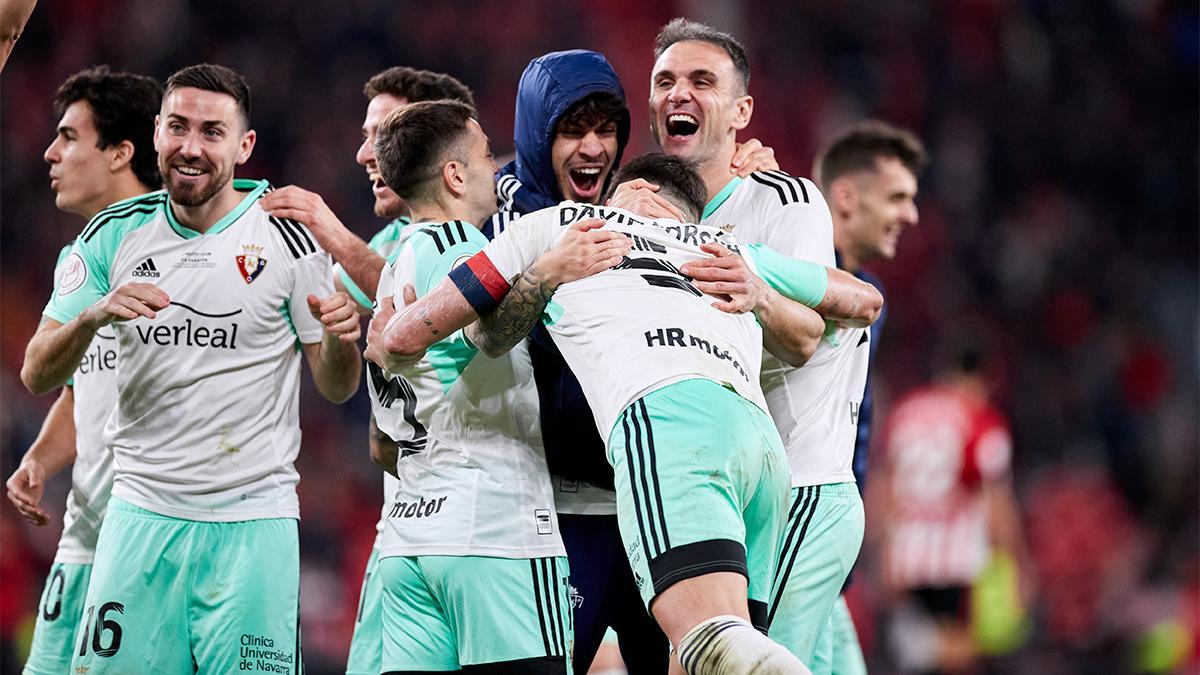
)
(473, 568)
(571, 127)
(357, 272)
(212, 302)
(699, 100)
(102, 155)
(700, 474)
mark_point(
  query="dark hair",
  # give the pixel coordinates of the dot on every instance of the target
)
(680, 29)
(210, 77)
(857, 149)
(594, 110)
(123, 106)
(415, 85)
(415, 141)
(678, 182)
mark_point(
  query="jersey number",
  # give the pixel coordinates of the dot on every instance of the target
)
(665, 274)
(388, 391)
(57, 581)
(103, 625)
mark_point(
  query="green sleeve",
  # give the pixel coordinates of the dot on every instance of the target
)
(435, 253)
(430, 255)
(800, 280)
(352, 288)
(82, 279)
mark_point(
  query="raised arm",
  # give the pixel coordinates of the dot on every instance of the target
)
(360, 263)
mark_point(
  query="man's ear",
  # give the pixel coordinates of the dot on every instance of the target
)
(843, 195)
(743, 111)
(454, 178)
(122, 157)
(247, 146)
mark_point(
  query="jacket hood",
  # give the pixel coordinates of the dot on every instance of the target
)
(550, 85)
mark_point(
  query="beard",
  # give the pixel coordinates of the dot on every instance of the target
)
(190, 195)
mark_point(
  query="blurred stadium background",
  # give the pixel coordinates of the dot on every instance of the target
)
(1058, 219)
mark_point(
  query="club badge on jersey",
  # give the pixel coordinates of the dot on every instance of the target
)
(251, 263)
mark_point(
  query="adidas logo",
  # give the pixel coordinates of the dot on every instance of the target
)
(146, 269)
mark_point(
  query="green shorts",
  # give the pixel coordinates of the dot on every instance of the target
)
(181, 596)
(840, 645)
(57, 618)
(441, 613)
(366, 646)
(701, 480)
(824, 534)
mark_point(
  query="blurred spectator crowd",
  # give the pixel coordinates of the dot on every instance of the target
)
(1058, 224)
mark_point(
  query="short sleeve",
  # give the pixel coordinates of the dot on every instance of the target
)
(311, 275)
(521, 242)
(801, 280)
(802, 229)
(81, 280)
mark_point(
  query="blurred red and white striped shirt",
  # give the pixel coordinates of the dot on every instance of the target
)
(943, 445)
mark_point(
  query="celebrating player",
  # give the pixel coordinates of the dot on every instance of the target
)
(212, 302)
(700, 475)
(357, 272)
(869, 174)
(102, 154)
(473, 570)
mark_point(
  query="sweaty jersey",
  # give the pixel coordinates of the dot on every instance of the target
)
(942, 445)
(472, 472)
(206, 425)
(814, 407)
(641, 325)
(94, 386)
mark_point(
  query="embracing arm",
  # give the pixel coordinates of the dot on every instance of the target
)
(583, 250)
(850, 301)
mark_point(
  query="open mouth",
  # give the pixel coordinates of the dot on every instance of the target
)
(189, 171)
(585, 180)
(682, 125)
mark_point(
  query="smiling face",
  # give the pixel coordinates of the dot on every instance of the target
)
(387, 203)
(582, 155)
(697, 102)
(200, 137)
(878, 205)
(79, 170)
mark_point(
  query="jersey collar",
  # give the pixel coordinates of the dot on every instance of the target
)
(716, 202)
(254, 190)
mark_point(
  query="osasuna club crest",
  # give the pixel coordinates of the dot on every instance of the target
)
(251, 263)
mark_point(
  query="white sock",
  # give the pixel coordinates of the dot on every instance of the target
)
(729, 645)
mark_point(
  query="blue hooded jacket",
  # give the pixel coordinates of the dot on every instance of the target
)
(550, 85)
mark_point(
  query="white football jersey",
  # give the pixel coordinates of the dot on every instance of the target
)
(207, 420)
(94, 386)
(814, 407)
(640, 326)
(472, 471)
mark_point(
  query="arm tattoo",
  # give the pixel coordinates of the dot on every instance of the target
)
(514, 317)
